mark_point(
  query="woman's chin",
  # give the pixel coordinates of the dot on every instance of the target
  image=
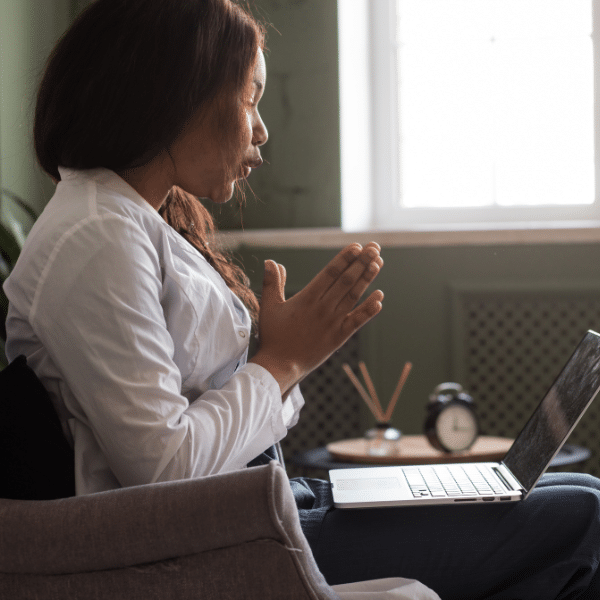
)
(220, 196)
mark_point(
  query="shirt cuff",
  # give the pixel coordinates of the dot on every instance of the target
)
(290, 407)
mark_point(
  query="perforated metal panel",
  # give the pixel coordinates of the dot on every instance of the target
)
(509, 345)
(333, 407)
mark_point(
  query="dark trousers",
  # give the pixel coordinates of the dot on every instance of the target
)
(544, 548)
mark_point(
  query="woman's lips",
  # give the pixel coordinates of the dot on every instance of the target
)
(251, 164)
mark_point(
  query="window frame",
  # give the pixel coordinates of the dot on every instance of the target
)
(368, 122)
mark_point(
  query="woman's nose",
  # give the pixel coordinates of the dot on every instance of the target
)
(260, 133)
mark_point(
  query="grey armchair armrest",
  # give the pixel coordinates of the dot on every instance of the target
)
(229, 536)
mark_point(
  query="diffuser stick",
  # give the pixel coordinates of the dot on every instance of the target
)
(361, 390)
(370, 387)
(396, 394)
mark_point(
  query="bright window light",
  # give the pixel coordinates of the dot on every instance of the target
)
(496, 102)
(469, 113)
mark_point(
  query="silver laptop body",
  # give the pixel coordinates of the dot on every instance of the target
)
(508, 481)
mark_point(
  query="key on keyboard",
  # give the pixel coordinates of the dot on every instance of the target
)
(455, 480)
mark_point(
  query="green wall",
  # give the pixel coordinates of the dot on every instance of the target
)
(28, 30)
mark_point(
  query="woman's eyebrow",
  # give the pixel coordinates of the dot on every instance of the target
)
(258, 84)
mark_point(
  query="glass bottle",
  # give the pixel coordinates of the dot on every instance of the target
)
(383, 440)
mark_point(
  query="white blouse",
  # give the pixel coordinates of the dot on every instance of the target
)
(142, 348)
(139, 342)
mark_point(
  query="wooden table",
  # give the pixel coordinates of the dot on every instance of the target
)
(416, 450)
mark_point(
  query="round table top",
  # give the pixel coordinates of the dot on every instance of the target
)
(322, 458)
(416, 449)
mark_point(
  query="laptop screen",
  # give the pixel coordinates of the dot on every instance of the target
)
(557, 414)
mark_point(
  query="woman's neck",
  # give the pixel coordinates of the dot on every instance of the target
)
(151, 181)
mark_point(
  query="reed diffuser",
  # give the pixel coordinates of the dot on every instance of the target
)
(383, 439)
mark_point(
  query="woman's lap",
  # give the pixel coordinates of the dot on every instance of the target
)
(545, 547)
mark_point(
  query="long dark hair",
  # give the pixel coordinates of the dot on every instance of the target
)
(122, 83)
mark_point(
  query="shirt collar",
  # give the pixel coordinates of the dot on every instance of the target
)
(107, 179)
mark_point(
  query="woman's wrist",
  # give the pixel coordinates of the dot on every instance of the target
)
(286, 373)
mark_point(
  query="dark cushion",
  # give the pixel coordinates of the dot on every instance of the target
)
(36, 461)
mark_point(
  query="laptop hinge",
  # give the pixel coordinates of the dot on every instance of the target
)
(502, 478)
(511, 482)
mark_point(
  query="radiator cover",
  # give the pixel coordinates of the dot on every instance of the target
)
(509, 342)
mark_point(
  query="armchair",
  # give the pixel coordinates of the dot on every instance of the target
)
(228, 536)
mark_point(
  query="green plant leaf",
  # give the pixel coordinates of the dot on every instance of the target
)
(3, 359)
(3, 313)
(31, 213)
(12, 234)
(9, 246)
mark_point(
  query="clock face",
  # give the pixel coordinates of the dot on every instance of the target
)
(456, 428)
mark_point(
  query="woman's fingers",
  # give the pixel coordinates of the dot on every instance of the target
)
(334, 270)
(351, 285)
(349, 301)
(282, 279)
(362, 314)
(300, 333)
(273, 283)
(344, 271)
(374, 245)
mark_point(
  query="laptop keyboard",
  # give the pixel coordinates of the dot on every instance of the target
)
(453, 480)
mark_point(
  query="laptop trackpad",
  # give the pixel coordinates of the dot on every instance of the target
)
(367, 483)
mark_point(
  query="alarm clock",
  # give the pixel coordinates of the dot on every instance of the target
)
(451, 424)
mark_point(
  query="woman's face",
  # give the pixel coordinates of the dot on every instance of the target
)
(205, 164)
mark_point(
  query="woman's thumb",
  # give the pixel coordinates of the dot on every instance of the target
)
(272, 288)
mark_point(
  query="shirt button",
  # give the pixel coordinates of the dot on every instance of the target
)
(242, 334)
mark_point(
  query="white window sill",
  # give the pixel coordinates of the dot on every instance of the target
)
(580, 232)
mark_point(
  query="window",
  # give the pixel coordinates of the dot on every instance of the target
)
(467, 112)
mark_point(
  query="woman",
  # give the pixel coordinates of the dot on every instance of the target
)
(139, 328)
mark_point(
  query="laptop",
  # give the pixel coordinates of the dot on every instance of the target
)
(510, 480)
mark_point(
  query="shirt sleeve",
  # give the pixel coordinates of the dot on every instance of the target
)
(98, 312)
(292, 406)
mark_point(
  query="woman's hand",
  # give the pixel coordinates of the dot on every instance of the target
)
(299, 334)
